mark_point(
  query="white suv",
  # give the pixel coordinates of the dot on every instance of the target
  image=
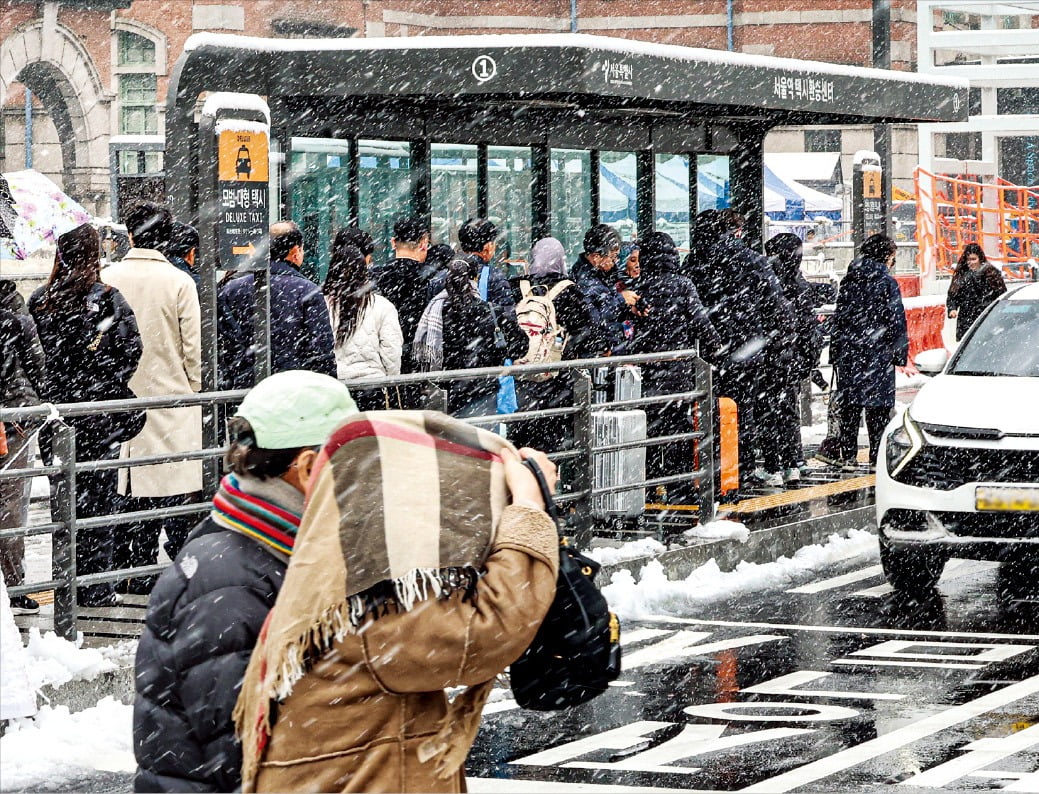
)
(958, 472)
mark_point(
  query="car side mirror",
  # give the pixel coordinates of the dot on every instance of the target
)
(931, 362)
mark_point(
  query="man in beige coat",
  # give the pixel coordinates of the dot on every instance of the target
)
(166, 305)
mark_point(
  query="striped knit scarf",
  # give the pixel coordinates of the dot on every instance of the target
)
(268, 511)
(402, 507)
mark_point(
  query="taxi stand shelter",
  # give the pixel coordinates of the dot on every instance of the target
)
(568, 91)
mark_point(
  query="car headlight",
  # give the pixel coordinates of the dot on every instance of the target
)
(902, 445)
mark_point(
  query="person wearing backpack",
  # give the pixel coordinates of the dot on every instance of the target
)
(89, 335)
(554, 314)
(461, 330)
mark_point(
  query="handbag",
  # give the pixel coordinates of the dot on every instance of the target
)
(114, 426)
(576, 652)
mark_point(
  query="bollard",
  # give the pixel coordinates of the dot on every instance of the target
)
(584, 470)
(704, 416)
(63, 540)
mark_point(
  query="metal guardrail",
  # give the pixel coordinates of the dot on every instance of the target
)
(581, 488)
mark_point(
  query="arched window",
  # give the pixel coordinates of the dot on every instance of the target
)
(137, 91)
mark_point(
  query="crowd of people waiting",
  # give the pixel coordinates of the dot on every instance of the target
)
(133, 328)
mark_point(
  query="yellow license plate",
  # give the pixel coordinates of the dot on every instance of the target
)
(1007, 499)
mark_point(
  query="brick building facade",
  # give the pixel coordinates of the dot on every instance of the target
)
(98, 69)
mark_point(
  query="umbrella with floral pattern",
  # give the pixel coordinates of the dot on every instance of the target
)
(43, 212)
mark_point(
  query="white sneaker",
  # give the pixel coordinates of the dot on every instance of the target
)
(791, 475)
(769, 479)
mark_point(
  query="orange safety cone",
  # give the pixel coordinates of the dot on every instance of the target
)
(728, 444)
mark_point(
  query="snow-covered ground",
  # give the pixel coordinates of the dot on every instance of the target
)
(57, 746)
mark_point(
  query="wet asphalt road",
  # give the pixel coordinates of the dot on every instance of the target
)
(832, 684)
(938, 695)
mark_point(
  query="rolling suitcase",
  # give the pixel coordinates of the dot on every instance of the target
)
(619, 467)
(628, 383)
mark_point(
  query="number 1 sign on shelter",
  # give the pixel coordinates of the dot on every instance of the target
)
(243, 174)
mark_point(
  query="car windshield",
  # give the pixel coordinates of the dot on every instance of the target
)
(1005, 343)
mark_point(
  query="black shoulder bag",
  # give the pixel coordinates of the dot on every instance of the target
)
(576, 652)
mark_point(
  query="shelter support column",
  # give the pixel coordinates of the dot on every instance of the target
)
(645, 185)
(747, 180)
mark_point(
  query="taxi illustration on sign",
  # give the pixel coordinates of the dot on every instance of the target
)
(243, 164)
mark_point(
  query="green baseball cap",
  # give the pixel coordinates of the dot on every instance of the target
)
(297, 408)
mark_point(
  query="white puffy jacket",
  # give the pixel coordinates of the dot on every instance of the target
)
(374, 349)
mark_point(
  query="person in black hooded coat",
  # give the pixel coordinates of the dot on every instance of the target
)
(676, 320)
(789, 359)
(869, 340)
(746, 305)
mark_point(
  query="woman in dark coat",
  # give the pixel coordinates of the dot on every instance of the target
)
(548, 268)
(676, 320)
(789, 359)
(89, 335)
(975, 284)
(869, 341)
(459, 330)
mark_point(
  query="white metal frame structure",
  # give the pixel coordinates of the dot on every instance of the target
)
(999, 58)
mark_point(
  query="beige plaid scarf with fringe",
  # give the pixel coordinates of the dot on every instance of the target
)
(402, 507)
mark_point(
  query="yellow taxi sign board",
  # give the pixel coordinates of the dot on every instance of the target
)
(242, 156)
(872, 184)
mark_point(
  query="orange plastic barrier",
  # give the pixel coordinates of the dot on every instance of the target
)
(728, 444)
(924, 325)
(1001, 217)
(908, 285)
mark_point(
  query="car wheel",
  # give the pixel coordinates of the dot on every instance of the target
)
(913, 571)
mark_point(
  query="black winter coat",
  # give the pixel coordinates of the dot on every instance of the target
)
(677, 320)
(970, 293)
(797, 346)
(609, 311)
(744, 299)
(469, 343)
(405, 284)
(869, 337)
(23, 365)
(192, 656)
(301, 332)
(74, 373)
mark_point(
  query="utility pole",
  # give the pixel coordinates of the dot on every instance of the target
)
(882, 132)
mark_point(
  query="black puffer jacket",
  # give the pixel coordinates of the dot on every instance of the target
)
(469, 343)
(798, 345)
(191, 658)
(23, 365)
(677, 318)
(607, 305)
(744, 299)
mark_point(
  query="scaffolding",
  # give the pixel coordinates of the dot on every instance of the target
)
(1001, 217)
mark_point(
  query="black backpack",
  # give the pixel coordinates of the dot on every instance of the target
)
(576, 652)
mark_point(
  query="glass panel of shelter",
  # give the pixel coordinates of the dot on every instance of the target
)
(318, 183)
(384, 190)
(618, 192)
(454, 189)
(510, 203)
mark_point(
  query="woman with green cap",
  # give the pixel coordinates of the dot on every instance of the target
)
(208, 607)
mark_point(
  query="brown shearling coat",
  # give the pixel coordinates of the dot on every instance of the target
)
(355, 720)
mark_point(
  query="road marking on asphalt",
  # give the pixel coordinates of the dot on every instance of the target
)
(498, 785)
(900, 737)
(954, 569)
(979, 753)
(841, 629)
(787, 685)
(839, 581)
